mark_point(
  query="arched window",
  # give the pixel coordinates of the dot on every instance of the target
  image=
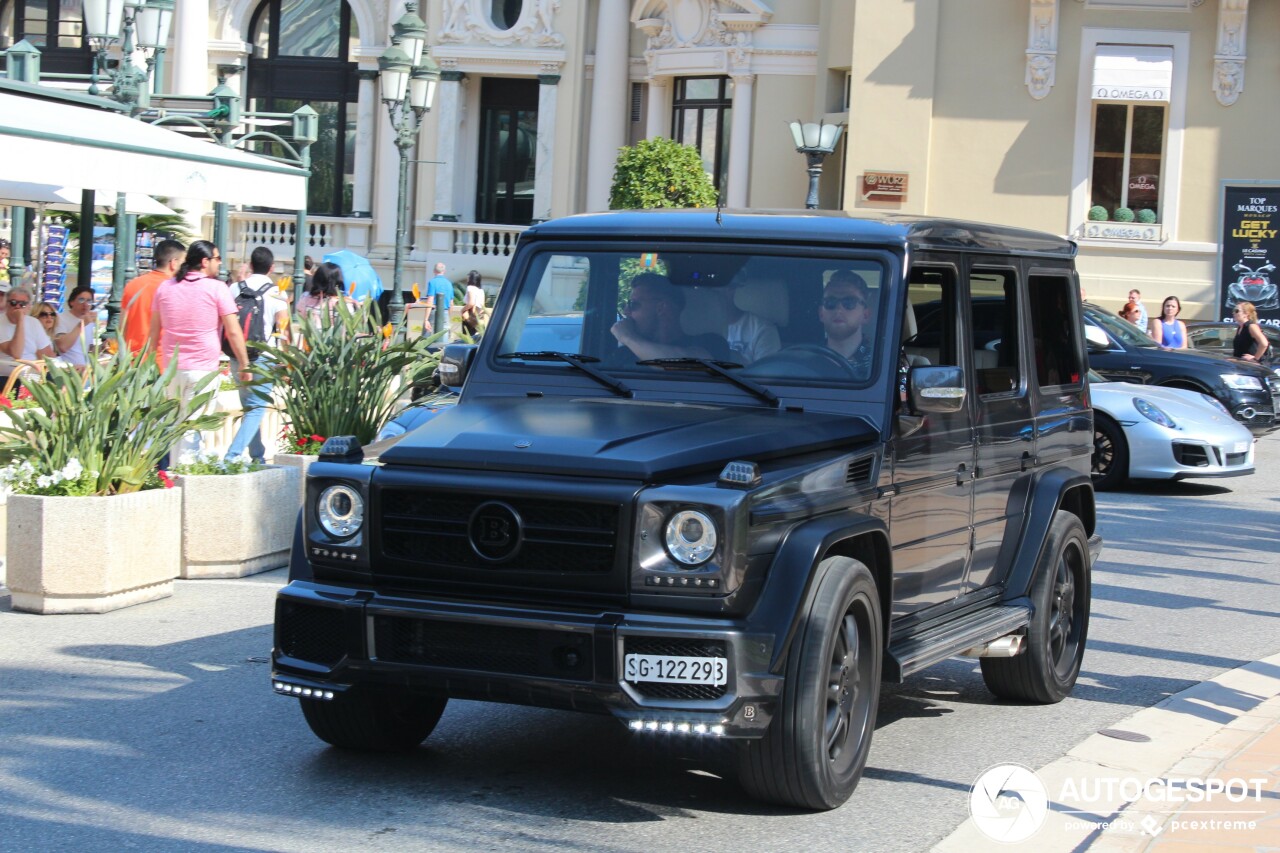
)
(56, 27)
(301, 55)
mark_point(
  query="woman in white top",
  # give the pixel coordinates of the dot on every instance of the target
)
(473, 312)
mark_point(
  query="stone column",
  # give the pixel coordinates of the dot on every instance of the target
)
(366, 120)
(190, 55)
(658, 116)
(448, 110)
(608, 128)
(543, 171)
(740, 141)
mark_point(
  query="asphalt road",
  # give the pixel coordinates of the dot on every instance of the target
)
(154, 728)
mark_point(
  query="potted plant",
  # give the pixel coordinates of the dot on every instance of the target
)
(345, 375)
(91, 527)
(660, 172)
(235, 520)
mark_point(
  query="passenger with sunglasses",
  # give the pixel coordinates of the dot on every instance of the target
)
(844, 312)
(74, 335)
(652, 327)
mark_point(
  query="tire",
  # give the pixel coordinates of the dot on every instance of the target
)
(372, 722)
(814, 752)
(1110, 454)
(1047, 669)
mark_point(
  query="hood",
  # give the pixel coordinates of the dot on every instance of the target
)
(1185, 407)
(622, 439)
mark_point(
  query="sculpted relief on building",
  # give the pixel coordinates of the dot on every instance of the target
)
(716, 34)
(530, 23)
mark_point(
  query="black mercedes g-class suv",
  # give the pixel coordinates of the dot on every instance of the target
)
(741, 498)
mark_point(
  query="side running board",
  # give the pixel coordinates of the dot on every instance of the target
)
(914, 653)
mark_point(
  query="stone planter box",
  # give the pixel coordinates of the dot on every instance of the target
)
(237, 524)
(301, 461)
(92, 555)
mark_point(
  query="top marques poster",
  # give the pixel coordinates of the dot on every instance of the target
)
(1250, 249)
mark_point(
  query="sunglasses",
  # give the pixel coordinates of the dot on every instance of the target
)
(83, 299)
(633, 304)
(13, 303)
(44, 314)
(848, 303)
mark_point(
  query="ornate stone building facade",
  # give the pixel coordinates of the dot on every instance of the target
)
(1114, 122)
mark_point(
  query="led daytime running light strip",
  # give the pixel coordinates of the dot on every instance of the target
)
(670, 727)
(305, 692)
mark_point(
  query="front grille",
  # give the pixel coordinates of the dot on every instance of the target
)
(1191, 455)
(483, 648)
(309, 633)
(431, 529)
(677, 647)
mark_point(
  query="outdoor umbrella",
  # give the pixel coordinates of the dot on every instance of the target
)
(359, 279)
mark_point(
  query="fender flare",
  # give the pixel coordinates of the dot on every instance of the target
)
(1055, 489)
(789, 586)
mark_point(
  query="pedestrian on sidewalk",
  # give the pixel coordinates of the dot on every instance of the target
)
(258, 293)
(189, 315)
(135, 304)
(440, 295)
(473, 312)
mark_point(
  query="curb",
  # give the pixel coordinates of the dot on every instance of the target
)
(1189, 734)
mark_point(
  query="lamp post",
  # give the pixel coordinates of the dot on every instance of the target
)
(154, 19)
(408, 81)
(815, 140)
(109, 21)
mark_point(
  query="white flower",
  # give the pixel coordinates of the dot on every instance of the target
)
(72, 470)
(187, 458)
(44, 481)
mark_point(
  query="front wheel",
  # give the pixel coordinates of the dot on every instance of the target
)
(374, 722)
(816, 747)
(1110, 454)
(1047, 670)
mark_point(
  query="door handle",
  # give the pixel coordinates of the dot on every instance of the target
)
(962, 474)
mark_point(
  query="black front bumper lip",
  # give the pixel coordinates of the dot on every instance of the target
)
(744, 710)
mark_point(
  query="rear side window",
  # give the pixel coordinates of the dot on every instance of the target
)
(1056, 335)
(993, 299)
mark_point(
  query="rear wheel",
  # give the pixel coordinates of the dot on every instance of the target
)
(372, 722)
(816, 747)
(1110, 454)
(1047, 670)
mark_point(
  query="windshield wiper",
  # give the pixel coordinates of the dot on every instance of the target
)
(716, 368)
(578, 360)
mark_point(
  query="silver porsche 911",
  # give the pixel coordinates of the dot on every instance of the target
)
(1151, 432)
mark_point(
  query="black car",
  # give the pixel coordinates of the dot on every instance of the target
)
(1122, 352)
(738, 547)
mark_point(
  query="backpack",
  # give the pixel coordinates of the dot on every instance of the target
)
(251, 311)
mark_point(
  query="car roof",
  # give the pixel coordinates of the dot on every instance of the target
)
(812, 226)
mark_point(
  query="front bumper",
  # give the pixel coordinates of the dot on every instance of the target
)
(1255, 409)
(1158, 453)
(333, 640)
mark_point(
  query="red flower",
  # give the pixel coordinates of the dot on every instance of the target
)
(165, 478)
(24, 393)
(6, 403)
(318, 439)
(302, 442)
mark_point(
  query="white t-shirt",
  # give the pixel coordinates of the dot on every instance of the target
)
(68, 321)
(34, 338)
(475, 297)
(752, 338)
(271, 302)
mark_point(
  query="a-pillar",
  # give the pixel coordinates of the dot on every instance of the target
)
(190, 55)
(608, 128)
(366, 120)
(448, 129)
(543, 169)
(740, 141)
(658, 116)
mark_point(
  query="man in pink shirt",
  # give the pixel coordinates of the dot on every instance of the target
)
(187, 314)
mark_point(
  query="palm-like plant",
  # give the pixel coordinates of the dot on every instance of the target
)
(117, 420)
(345, 376)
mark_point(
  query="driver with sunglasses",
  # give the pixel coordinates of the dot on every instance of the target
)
(844, 312)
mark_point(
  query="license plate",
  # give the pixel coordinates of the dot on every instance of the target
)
(1241, 447)
(676, 670)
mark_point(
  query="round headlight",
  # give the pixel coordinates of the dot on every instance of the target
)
(691, 537)
(1153, 413)
(341, 511)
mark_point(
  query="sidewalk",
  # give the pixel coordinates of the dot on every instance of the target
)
(1199, 771)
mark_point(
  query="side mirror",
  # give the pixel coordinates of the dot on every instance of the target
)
(937, 389)
(454, 364)
(1095, 339)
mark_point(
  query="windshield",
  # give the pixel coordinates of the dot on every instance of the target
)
(772, 318)
(1120, 329)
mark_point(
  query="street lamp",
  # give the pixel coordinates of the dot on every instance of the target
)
(815, 140)
(111, 21)
(154, 19)
(408, 81)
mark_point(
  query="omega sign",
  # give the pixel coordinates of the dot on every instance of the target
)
(1118, 93)
(884, 186)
